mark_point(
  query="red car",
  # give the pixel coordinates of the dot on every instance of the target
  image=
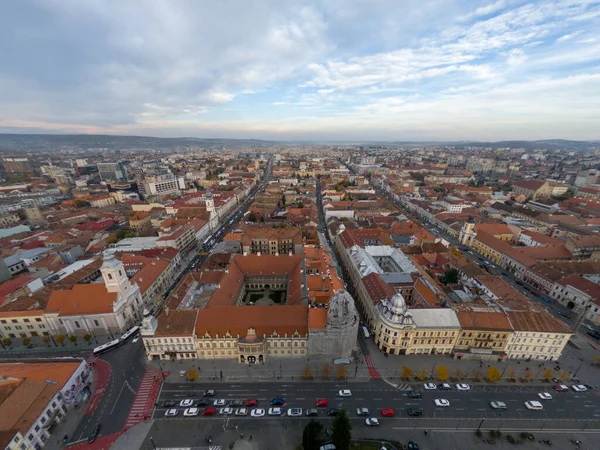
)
(387, 412)
(251, 402)
(561, 388)
(209, 412)
(321, 402)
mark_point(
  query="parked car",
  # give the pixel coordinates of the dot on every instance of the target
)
(371, 422)
(345, 393)
(534, 405)
(414, 412)
(278, 401)
(209, 393)
(209, 411)
(498, 405)
(333, 411)
(191, 412)
(171, 412)
(94, 434)
(312, 412)
(362, 411)
(441, 402)
(387, 412)
(413, 394)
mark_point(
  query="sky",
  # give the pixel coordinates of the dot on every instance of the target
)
(311, 70)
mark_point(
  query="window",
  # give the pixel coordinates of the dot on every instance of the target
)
(77, 324)
(37, 428)
(38, 319)
(14, 321)
(96, 323)
(26, 320)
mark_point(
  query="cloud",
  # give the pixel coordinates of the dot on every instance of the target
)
(290, 68)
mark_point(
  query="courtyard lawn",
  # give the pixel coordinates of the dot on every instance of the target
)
(277, 296)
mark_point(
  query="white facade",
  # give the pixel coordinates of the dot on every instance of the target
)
(540, 346)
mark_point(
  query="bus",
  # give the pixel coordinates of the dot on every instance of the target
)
(206, 243)
(365, 332)
(129, 333)
(107, 347)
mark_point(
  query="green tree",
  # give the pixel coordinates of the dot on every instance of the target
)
(26, 341)
(80, 203)
(6, 341)
(311, 436)
(251, 217)
(341, 431)
(73, 338)
(87, 337)
(60, 339)
(450, 276)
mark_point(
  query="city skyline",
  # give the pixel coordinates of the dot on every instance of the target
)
(444, 70)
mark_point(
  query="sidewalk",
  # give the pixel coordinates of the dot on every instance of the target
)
(38, 346)
(271, 370)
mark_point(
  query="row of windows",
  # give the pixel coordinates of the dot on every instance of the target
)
(29, 327)
(37, 319)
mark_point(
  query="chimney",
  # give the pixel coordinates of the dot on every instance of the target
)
(166, 311)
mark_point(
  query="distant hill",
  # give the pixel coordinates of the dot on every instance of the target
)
(46, 142)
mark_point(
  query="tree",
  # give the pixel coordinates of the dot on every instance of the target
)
(407, 373)
(510, 373)
(442, 373)
(547, 374)
(251, 217)
(493, 374)
(192, 375)
(459, 374)
(422, 375)
(326, 371)
(529, 375)
(477, 374)
(87, 337)
(6, 341)
(46, 340)
(341, 372)
(60, 339)
(307, 372)
(450, 276)
(26, 341)
(73, 338)
(341, 431)
(311, 436)
(80, 203)
(564, 375)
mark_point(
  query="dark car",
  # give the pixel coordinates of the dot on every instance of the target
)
(412, 446)
(94, 434)
(444, 387)
(169, 403)
(594, 334)
(209, 393)
(332, 412)
(277, 402)
(202, 402)
(312, 412)
(414, 412)
(237, 403)
(413, 394)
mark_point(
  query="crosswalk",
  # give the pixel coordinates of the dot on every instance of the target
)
(404, 387)
(145, 398)
(373, 373)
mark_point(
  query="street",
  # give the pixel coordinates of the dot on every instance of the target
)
(377, 394)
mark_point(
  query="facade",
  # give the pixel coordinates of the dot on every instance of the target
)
(16, 165)
(484, 335)
(272, 241)
(579, 294)
(181, 237)
(112, 171)
(9, 219)
(532, 189)
(141, 222)
(102, 202)
(537, 335)
(166, 184)
(400, 331)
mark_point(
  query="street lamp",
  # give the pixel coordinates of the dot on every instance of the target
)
(161, 370)
(432, 369)
(480, 423)
(577, 371)
(215, 369)
(153, 444)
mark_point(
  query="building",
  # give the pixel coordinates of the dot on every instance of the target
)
(8, 219)
(584, 246)
(37, 395)
(141, 222)
(272, 241)
(166, 184)
(425, 331)
(484, 335)
(101, 201)
(537, 335)
(532, 189)
(112, 171)
(16, 165)
(182, 237)
(99, 308)
(34, 216)
(579, 294)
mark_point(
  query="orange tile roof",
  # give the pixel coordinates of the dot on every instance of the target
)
(482, 320)
(82, 299)
(317, 318)
(541, 321)
(176, 323)
(264, 319)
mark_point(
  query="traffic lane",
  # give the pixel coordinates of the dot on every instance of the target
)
(462, 404)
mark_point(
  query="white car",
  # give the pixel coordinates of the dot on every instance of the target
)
(463, 387)
(191, 412)
(345, 393)
(442, 402)
(498, 405)
(226, 411)
(371, 422)
(533, 404)
(275, 411)
(430, 386)
(257, 412)
(241, 412)
(362, 411)
(135, 339)
(579, 388)
(219, 402)
(294, 412)
(545, 396)
(171, 412)
(187, 402)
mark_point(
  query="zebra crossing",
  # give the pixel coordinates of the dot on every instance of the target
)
(144, 399)
(404, 387)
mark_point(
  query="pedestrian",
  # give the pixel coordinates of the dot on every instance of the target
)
(250, 439)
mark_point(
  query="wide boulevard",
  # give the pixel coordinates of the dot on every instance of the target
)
(377, 395)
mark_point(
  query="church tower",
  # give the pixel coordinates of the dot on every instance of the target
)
(467, 232)
(115, 278)
(210, 207)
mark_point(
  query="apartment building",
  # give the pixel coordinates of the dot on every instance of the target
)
(182, 237)
(484, 335)
(141, 222)
(579, 294)
(272, 241)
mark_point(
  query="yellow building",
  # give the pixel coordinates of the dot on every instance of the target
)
(490, 247)
(484, 335)
(20, 324)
